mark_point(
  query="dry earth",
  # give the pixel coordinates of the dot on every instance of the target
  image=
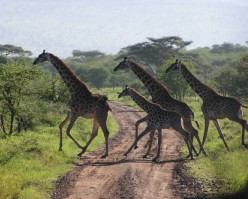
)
(130, 177)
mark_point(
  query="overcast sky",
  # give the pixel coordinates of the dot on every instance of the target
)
(60, 26)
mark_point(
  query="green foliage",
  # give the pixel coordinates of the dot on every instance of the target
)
(174, 81)
(97, 76)
(210, 61)
(224, 79)
(15, 86)
(240, 79)
(51, 88)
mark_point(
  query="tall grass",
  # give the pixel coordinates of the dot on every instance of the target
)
(30, 162)
(227, 171)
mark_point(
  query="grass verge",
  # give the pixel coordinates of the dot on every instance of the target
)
(30, 161)
(225, 174)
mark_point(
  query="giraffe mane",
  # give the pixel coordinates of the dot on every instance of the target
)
(69, 69)
(153, 79)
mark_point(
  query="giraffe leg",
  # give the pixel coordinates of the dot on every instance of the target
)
(67, 119)
(72, 122)
(217, 125)
(93, 135)
(102, 120)
(193, 133)
(243, 123)
(150, 144)
(138, 138)
(136, 128)
(156, 159)
(187, 139)
(205, 132)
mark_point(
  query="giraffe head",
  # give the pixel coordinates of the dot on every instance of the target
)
(123, 65)
(125, 92)
(174, 67)
(42, 58)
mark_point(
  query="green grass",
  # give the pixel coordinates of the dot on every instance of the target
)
(30, 162)
(227, 171)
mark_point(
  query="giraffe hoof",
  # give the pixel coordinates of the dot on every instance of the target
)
(144, 156)
(156, 160)
(125, 154)
(104, 156)
(135, 147)
(82, 152)
(188, 156)
(79, 155)
(60, 149)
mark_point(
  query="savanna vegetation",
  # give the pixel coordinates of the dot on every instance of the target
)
(33, 102)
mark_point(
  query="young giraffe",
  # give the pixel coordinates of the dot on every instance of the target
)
(82, 102)
(214, 106)
(161, 96)
(157, 119)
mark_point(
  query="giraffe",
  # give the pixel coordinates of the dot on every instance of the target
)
(82, 103)
(160, 95)
(214, 106)
(157, 119)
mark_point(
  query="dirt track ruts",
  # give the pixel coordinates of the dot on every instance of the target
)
(123, 177)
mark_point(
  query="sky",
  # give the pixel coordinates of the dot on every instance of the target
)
(61, 26)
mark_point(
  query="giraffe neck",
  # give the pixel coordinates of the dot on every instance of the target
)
(143, 103)
(201, 89)
(155, 88)
(73, 83)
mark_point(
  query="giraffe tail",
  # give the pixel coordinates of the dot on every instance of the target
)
(197, 124)
(244, 106)
(107, 104)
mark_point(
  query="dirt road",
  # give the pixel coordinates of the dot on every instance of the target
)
(130, 177)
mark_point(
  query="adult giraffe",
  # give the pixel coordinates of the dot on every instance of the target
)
(214, 106)
(82, 102)
(160, 95)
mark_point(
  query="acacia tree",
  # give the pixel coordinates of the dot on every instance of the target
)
(155, 51)
(87, 55)
(14, 88)
(11, 50)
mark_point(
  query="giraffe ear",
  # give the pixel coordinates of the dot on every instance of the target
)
(44, 51)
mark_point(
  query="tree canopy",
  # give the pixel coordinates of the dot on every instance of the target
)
(155, 50)
(11, 50)
(87, 55)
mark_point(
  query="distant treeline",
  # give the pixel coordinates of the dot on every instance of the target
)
(224, 67)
